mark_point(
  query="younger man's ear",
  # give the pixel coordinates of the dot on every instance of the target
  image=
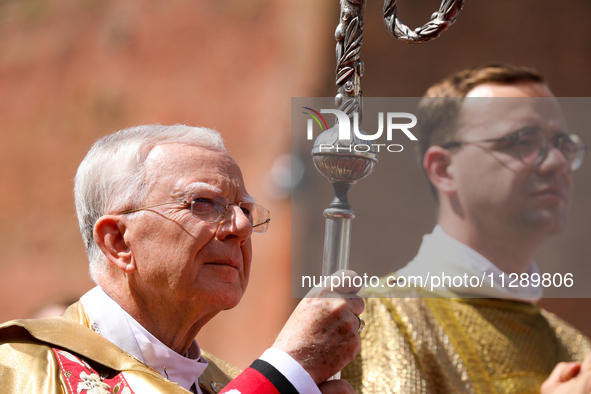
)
(109, 235)
(437, 165)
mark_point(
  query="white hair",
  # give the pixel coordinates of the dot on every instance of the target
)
(112, 176)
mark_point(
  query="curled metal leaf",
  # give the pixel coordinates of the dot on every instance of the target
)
(440, 21)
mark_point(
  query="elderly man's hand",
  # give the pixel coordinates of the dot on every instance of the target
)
(569, 378)
(336, 386)
(321, 334)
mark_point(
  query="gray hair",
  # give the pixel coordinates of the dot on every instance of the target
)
(112, 176)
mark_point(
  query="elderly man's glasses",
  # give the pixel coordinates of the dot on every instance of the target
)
(533, 145)
(208, 210)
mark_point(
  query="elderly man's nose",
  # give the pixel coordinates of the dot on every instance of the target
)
(235, 224)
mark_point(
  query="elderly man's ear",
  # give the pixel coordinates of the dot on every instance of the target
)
(438, 166)
(109, 235)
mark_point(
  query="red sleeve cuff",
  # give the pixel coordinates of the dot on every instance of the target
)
(260, 378)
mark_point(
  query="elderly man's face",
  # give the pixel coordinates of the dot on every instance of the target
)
(181, 259)
(495, 188)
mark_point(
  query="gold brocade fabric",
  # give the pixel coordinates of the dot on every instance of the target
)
(28, 365)
(452, 345)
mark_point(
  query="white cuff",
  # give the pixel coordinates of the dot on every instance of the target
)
(292, 370)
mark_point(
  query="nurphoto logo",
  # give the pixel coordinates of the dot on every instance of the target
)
(344, 127)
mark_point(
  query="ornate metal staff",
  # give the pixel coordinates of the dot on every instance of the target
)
(340, 164)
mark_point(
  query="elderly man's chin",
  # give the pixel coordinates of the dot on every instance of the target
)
(229, 298)
(225, 288)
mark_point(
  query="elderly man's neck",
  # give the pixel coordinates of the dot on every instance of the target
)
(174, 328)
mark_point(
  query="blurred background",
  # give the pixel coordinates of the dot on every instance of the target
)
(73, 71)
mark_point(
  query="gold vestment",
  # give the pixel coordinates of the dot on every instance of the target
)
(28, 365)
(415, 344)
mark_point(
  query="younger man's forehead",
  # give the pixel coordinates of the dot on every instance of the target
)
(507, 108)
(522, 89)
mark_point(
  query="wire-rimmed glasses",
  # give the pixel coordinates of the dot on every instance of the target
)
(533, 144)
(208, 210)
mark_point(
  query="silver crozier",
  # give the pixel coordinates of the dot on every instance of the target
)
(341, 165)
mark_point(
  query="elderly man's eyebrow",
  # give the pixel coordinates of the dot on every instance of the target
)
(200, 187)
(197, 187)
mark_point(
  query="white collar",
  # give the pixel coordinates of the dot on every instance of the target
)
(441, 254)
(115, 324)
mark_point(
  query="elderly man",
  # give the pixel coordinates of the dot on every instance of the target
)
(167, 222)
(496, 150)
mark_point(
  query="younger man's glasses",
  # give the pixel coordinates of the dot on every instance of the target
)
(533, 145)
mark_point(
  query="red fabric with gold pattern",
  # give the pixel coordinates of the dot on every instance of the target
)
(82, 378)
